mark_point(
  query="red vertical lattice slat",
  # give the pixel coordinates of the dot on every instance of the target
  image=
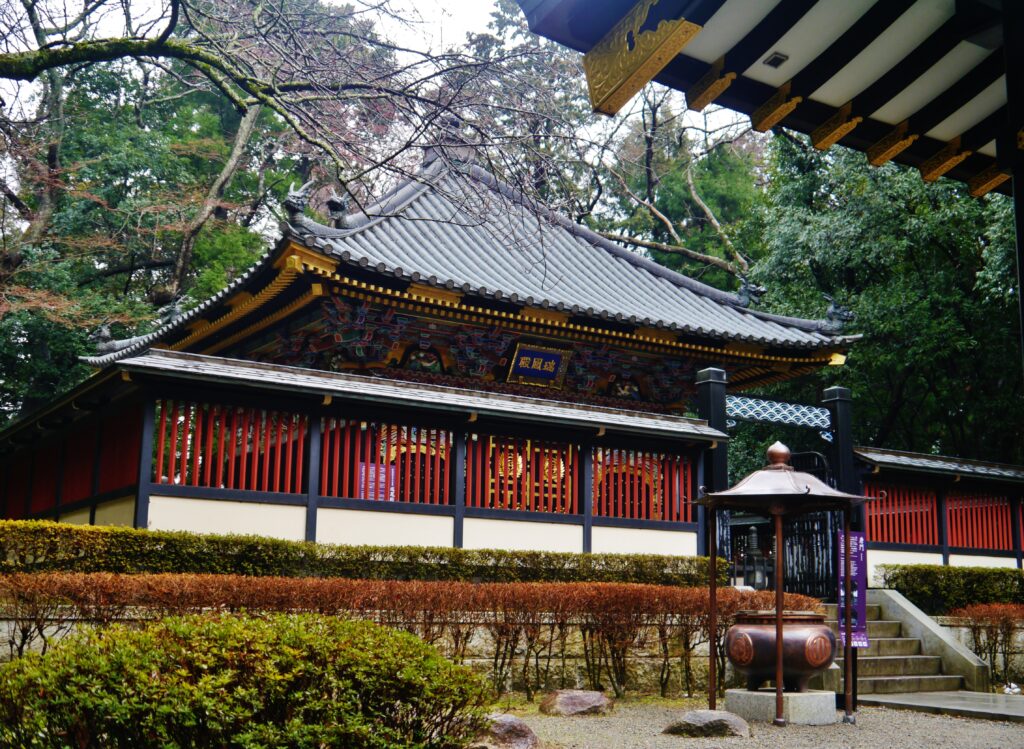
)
(161, 443)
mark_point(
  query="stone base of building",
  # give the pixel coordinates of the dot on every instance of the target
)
(812, 708)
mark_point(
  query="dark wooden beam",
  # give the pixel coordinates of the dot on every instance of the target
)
(942, 106)
(720, 74)
(851, 43)
(836, 56)
(962, 146)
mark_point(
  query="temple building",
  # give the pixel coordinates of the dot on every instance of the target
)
(453, 365)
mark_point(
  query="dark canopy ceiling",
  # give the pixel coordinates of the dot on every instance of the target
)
(920, 82)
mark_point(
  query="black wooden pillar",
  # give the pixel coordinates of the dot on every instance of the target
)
(587, 494)
(314, 445)
(711, 383)
(1009, 146)
(145, 477)
(1015, 517)
(458, 487)
(839, 402)
(942, 516)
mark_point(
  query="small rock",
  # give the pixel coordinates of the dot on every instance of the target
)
(709, 723)
(506, 732)
(576, 702)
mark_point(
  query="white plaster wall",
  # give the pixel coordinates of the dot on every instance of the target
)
(221, 516)
(116, 512)
(642, 541)
(357, 527)
(514, 535)
(970, 560)
(75, 517)
(882, 556)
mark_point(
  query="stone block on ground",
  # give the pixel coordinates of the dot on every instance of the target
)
(709, 723)
(810, 708)
(506, 732)
(576, 702)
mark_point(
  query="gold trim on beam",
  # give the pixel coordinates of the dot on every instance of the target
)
(837, 360)
(315, 291)
(539, 314)
(656, 335)
(948, 157)
(987, 180)
(626, 59)
(312, 260)
(709, 87)
(896, 142)
(373, 292)
(776, 109)
(424, 293)
(289, 265)
(1020, 139)
(836, 127)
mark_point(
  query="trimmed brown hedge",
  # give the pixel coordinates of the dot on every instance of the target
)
(41, 546)
(937, 589)
(994, 628)
(527, 624)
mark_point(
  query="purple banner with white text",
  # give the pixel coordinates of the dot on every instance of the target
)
(859, 589)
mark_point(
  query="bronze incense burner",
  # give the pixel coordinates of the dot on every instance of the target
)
(808, 647)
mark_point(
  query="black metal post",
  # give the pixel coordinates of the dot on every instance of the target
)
(587, 495)
(848, 651)
(711, 385)
(712, 610)
(144, 478)
(458, 487)
(315, 440)
(780, 678)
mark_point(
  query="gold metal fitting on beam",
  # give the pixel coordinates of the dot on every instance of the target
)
(987, 180)
(709, 87)
(835, 127)
(896, 142)
(947, 158)
(629, 56)
(776, 109)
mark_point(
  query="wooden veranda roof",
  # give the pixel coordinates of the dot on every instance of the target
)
(933, 84)
(921, 82)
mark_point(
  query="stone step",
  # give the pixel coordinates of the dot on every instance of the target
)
(901, 665)
(904, 684)
(877, 628)
(873, 610)
(883, 646)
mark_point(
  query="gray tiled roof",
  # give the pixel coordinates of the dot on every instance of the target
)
(460, 228)
(145, 341)
(939, 464)
(415, 395)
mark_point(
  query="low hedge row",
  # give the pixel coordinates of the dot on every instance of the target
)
(527, 626)
(277, 681)
(937, 589)
(41, 546)
(994, 628)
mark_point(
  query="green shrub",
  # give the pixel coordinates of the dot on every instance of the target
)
(937, 589)
(41, 546)
(278, 681)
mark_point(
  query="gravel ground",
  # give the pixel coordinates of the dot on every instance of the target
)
(639, 726)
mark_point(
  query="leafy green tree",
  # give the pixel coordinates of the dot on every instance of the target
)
(926, 270)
